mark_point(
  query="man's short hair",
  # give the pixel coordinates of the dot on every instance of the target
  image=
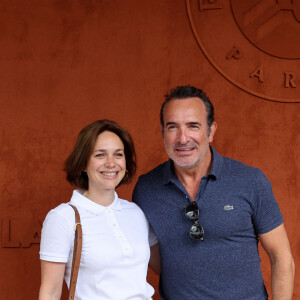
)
(188, 91)
(77, 161)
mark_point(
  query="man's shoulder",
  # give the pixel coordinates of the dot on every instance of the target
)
(223, 165)
(156, 174)
(150, 183)
(238, 168)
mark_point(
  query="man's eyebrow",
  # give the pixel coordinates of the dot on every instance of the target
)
(187, 123)
(170, 123)
(194, 123)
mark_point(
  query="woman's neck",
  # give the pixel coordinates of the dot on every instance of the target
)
(102, 197)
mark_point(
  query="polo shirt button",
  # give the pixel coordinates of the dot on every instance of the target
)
(120, 236)
(114, 224)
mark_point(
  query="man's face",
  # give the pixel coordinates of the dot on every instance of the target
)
(185, 132)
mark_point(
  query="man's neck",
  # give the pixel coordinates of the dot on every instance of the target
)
(191, 177)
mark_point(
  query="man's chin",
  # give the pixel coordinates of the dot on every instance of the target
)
(184, 163)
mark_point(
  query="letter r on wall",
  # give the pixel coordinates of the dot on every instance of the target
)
(289, 80)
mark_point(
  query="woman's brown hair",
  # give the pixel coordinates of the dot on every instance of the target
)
(84, 146)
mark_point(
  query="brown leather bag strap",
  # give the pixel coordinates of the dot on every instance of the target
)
(76, 254)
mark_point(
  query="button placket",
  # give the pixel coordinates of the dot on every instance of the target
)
(127, 250)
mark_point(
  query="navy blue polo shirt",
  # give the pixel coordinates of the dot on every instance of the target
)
(236, 204)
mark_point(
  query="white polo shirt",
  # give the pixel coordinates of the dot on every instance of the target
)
(115, 249)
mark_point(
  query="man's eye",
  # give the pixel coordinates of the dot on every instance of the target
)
(171, 127)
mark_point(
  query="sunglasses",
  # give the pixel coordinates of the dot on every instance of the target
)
(192, 213)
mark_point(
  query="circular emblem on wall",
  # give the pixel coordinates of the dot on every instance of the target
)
(255, 44)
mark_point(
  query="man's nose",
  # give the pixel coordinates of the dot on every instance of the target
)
(183, 138)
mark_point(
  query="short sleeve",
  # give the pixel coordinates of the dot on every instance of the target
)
(267, 212)
(56, 238)
(152, 236)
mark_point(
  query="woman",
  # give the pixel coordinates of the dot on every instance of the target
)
(115, 250)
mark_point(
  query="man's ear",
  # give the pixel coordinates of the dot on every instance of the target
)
(212, 131)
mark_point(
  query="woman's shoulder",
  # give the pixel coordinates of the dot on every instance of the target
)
(129, 205)
(134, 216)
(62, 209)
(63, 213)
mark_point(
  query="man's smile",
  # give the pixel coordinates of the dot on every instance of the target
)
(184, 148)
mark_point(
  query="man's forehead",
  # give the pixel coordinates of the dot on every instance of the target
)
(186, 102)
(189, 108)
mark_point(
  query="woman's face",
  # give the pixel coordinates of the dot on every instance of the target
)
(107, 165)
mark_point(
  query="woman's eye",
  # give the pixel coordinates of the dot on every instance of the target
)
(119, 154)
(99, 155)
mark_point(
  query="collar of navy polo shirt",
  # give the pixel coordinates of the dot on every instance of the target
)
(215, 171)
(81, 201)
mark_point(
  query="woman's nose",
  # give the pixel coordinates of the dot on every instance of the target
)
(110, 162)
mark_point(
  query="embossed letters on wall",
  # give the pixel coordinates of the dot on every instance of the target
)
(255, 44)
(20, 233)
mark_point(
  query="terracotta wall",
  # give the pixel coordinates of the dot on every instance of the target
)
(65, 63)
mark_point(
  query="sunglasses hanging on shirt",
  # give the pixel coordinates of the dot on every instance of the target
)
(192, 213)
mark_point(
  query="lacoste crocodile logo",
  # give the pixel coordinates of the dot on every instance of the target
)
(228, 207)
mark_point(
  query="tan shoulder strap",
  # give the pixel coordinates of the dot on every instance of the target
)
(76, 254)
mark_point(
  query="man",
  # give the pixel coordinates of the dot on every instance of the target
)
(209, 212)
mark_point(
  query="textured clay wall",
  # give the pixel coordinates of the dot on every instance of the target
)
(66, 63)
